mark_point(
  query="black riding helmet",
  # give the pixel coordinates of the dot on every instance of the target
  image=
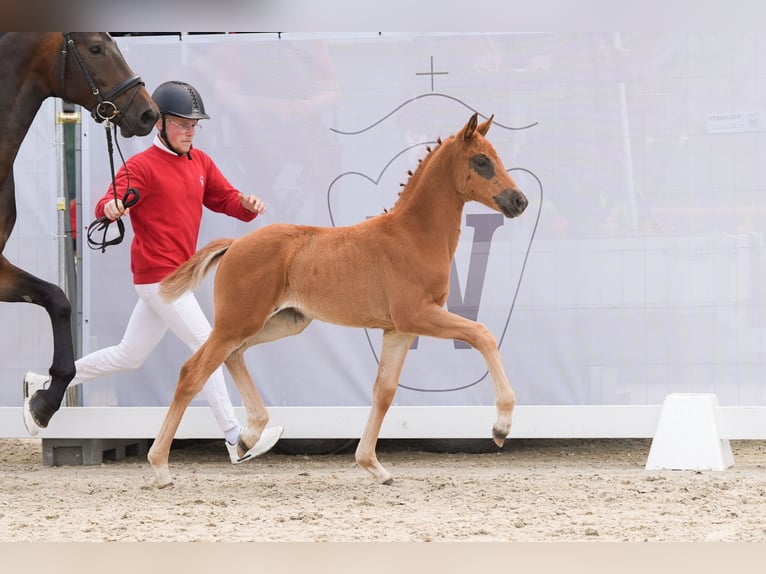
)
(178, 99)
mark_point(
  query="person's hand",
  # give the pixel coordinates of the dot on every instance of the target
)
(113, 211)
(252, 203)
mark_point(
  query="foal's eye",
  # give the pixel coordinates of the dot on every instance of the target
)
(482, 165)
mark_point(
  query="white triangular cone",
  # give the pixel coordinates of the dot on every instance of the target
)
(687, 436)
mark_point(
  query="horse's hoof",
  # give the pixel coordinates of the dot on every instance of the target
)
(41, 410)
(388, 482)
(166, 485)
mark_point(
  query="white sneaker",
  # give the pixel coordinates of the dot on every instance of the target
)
(33, 382)
(269, 438)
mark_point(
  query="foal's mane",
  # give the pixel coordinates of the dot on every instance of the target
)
(416, 176)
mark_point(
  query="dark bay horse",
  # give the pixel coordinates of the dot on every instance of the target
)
(389, 272)
(84, 68)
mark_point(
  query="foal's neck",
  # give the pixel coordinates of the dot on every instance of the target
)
(430, 205)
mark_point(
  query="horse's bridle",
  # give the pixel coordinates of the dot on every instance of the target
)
(106, 108)
(108, 112)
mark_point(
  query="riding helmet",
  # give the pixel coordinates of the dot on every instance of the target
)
(180, 99)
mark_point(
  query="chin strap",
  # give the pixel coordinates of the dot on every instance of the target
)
(166, 141)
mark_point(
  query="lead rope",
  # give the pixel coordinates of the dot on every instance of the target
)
(129, 199)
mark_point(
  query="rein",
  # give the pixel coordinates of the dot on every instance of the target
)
(105, 112)
(128, 200)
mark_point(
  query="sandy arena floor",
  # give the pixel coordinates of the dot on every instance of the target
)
(532, 490)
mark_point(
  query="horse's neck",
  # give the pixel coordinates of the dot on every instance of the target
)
(18, 113)
(21, 96)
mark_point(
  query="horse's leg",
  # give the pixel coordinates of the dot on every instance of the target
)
(283, 324)
(194, 373)
(19, 286)
(392, 355)
(435, 321)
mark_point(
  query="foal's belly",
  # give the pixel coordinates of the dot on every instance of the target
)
(349, 309)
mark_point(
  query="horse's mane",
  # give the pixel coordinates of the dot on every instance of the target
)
(415, 176)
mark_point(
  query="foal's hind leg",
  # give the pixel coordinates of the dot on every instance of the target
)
(257, 414)
(194, 373)
(392, 355)
(18, 286)
(285, 323)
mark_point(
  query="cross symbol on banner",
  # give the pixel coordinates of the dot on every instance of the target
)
(431, 73)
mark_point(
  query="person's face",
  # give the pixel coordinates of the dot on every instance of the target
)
(180, 131)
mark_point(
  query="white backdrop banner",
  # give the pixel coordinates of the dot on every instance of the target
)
(635, 272)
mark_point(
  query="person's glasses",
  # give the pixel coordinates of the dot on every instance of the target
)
(195, 127)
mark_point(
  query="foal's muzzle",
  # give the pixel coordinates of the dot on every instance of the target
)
(511, 202)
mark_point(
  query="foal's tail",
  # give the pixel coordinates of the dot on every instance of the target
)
(189, 275)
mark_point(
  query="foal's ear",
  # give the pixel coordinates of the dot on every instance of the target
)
(473, 126)
(470, 127)
(484, 128)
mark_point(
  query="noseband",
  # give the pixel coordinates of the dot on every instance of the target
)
(106, 108)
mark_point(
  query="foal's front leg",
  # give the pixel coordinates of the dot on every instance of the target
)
(392, 355)
(436, 321)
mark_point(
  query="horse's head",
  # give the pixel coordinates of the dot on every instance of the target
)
(482, 174)
(94, 74)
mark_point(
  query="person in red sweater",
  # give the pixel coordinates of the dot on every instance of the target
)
(174, 181)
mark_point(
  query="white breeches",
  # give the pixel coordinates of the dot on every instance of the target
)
(150, 320)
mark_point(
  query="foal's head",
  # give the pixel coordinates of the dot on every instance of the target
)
(480, 174)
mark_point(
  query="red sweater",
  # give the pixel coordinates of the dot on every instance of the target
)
(166, 220)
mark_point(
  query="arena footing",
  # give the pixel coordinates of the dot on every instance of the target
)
(72, 452)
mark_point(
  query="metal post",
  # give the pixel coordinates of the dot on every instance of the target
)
(66, 262)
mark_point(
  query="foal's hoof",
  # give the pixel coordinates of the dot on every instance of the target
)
(388, 482)
(163, 480)
(499, 436)
(161, 471)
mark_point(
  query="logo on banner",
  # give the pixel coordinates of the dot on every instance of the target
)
(486, 273)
